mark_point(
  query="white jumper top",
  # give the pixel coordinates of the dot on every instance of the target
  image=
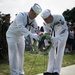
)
(17, 27)
(57, 28)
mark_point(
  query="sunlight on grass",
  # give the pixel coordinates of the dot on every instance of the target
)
(36, 63)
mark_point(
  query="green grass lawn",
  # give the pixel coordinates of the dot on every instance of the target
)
(36, 63)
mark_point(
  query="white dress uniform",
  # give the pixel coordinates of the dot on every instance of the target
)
(16, 44)
(18, 30)
(59, 32)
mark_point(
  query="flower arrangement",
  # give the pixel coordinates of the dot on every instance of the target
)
(44, 44)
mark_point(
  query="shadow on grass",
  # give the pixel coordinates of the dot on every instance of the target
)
(4, 61)
(4, 67)
(70, 53)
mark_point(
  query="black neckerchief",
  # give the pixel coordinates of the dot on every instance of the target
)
(29, 24)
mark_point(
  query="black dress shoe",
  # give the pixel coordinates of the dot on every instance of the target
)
(55, 73)
(47, 73)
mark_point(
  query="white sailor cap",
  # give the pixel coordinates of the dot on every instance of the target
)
(46, 13)
(36, 8)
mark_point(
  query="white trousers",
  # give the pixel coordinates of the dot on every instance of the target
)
(55, 58)
(16, 47)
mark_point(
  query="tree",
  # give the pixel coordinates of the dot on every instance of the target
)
(66, 15)
(69, 15)
(72, 15)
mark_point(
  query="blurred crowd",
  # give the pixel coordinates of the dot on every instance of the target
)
(5, 22)
(70, 45)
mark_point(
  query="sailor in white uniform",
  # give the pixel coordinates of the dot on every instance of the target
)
(18, 30)
(56, 25)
